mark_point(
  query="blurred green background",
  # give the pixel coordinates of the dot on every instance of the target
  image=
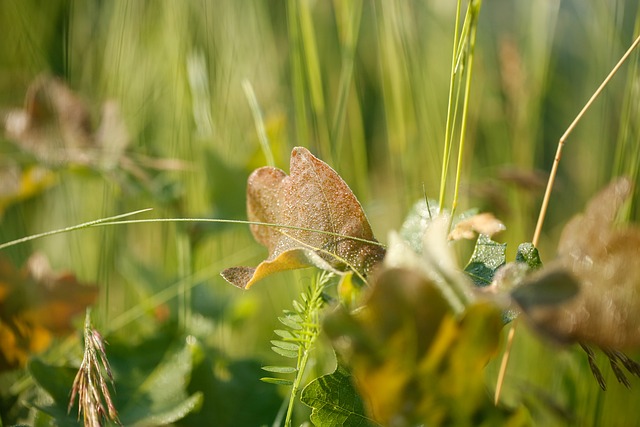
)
(363, 85)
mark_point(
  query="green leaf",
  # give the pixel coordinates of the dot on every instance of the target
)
(291, 322)
(285, 345)
(56, 380)
(335, 401)
(415, 361)
(286, 353)
(151, 380)
(284, 334)
(276, 381)
(280, 369)
(487, 257)
(417, 222)
(298, 307)
(153, 401)
(528, 254)
(233, 394)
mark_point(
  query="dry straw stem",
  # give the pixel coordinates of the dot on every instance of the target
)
(545, 203)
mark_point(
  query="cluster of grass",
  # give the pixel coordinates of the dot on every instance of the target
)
(362, 84)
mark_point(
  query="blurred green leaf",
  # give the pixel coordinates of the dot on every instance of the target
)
(413, 360)
(487, 257)
(335, 401)
(57, 381)
(151, 381)
(277, 381)
(18, 183)
(417, 222)
(233, 395)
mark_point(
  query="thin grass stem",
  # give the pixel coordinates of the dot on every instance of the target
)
(94, 223)
(474, 8)
(563, 138)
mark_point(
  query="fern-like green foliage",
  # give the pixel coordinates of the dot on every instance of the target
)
(297, 340)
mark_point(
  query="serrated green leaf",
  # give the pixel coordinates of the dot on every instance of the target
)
(487, 257)
(335, 402)
(277, 381)
(528, 254)
(290, 323)
(286, 353)
(285, 345)
(280, 369)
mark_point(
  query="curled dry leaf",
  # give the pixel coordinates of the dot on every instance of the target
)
(483, 223)
(35, 305)
(317, 221)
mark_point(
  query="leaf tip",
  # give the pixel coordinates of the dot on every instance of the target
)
(241, 277)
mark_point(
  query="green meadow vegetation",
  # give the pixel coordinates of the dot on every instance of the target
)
(143, 122)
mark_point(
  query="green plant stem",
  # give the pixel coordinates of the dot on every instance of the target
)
(297, 72)
(184, 270)
(296, 383)
(312, 328)
(346, 74)
(449, 125)
(474, 12)
(259, 120)
(314, 78)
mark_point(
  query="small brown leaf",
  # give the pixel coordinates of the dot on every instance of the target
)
(322, 222)
(55, 124)
(483, 223)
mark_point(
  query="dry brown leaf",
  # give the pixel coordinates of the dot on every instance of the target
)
(316, 200)
(606, 311)
(55, 124)
(36, 304)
